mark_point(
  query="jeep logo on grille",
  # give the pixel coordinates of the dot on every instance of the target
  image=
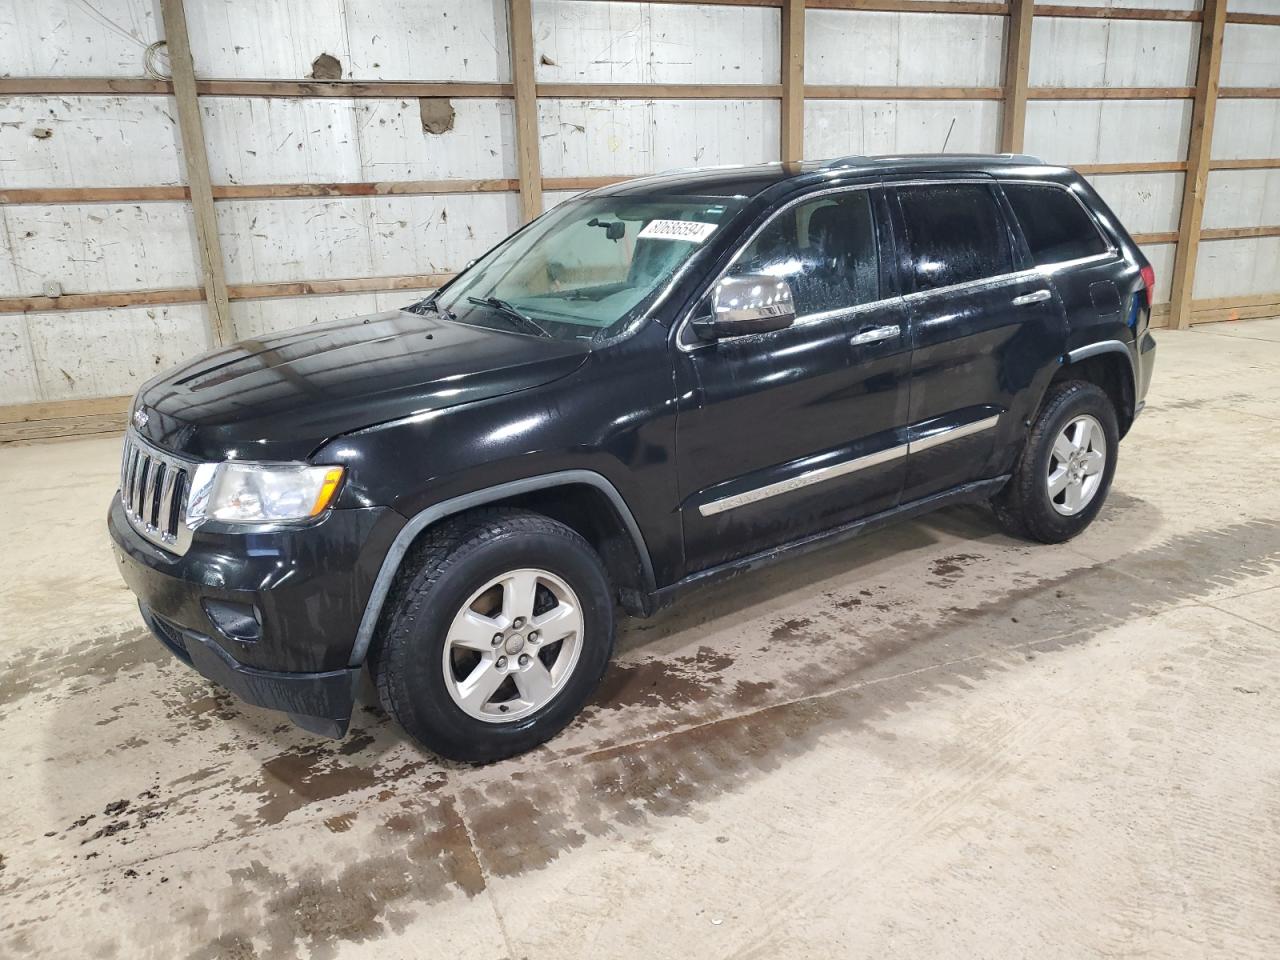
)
(140, 418)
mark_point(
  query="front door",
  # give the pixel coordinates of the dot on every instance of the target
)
(983, 326)
(783, 434)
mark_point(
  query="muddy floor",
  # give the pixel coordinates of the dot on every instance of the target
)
(931, 742)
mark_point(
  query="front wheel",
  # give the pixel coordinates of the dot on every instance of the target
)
(1063, 475)
(497, 635)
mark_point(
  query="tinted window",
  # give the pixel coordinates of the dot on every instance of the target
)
(955, 234)
(826, 250)
(1054, 224)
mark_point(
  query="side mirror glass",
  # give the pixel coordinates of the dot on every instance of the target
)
(748, 304)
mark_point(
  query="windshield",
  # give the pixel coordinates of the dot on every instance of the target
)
(586, 269)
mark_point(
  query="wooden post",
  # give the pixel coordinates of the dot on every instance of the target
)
(1017, 67)
(191, 127)
(1199, 150)
(792, 80)
(524, 82)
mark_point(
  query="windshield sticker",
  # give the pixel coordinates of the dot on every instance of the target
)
(690, 230)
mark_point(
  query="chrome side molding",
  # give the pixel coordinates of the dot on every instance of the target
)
(823, 474)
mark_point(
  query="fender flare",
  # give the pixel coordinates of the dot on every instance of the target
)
(1107, 346)
(479, 498)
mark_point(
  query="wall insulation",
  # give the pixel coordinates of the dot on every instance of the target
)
(360, 151)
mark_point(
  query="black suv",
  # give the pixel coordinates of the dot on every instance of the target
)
(651, 386)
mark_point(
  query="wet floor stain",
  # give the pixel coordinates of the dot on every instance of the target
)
(663, 737)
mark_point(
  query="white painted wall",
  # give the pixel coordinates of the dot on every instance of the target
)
(100, 141)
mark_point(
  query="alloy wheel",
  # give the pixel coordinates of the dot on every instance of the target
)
(513, 646)
(1076, 465)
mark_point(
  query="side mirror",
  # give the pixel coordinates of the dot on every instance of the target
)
(753, 303)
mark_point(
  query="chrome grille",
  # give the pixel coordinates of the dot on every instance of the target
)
(153, 489)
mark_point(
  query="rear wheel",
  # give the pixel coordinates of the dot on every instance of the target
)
(496, 637)
(1064, 473)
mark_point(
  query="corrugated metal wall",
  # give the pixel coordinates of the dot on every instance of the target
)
(86, 141)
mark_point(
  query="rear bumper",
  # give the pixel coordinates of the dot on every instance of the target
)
(270, 616)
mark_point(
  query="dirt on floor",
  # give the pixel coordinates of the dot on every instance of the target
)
(933, 741)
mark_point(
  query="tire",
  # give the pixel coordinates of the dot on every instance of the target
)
(1025, 507)
(427, 663)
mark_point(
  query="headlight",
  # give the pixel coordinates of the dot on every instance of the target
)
(237, 492)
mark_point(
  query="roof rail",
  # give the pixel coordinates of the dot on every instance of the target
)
(857, 160)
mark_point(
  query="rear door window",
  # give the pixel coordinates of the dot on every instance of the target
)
(955, 234)
(1055, 225)
(824, 248)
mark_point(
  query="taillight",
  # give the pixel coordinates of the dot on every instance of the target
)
(1149, 281)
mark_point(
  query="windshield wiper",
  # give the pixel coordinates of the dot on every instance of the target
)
(430, 303)
(513, 313)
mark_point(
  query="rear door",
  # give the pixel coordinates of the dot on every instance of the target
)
(984, 327)
(1066, 244)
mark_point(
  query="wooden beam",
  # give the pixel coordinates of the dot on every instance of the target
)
(912, 6)
(1249, 93)
(311, 288)
(384, 188)
(1017, 68)
(586, 183)
(660, 91)
(1260, 163)
(1200, 144)
(1114, 13)
(58, 409)
(1154, 166)
(92, 194)
(792, 146)
(836, 91)
(525, 82)
(1259, 19)
(1240, 233)
(62, 427)
(360, 89)
(1111, 93)
(196, 155)
(1151, 239)
(72, 86)
(102, 301)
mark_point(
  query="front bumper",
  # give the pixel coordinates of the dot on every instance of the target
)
(269, 615)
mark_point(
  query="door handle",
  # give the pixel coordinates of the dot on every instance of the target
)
(1038, 296)
(874, 335)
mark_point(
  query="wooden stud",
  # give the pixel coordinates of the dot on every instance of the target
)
(1017, 69)
(1199, 149)
(792, 64)
(458, 90)
(525, 83)
(194, 151)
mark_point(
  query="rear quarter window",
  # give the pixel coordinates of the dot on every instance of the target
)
(955, 234)
(1055, 225)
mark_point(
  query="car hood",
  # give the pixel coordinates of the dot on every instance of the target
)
(281, 397)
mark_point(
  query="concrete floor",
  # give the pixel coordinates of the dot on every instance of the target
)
(932, 742)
